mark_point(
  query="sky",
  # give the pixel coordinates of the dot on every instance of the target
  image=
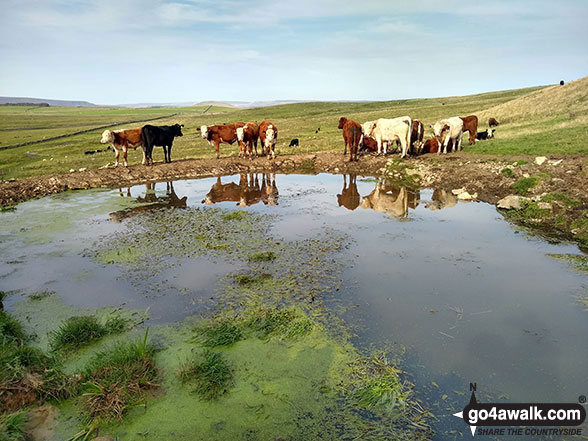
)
(163, 51)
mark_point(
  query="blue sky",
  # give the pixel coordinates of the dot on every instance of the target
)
(129, 51)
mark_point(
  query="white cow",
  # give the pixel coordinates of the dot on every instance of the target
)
(388, 131)
(447, 130)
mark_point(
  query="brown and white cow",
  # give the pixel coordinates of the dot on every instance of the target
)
(351, 136)
(215, 135)
(268, 136)
(470, 124)
(416, 137)
(431, 146)
(247, 137)
(367, 143)
(124, 140)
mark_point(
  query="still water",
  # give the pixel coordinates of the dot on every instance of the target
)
(450, 286)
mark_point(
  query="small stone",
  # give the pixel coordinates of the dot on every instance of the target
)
(526, 175)
(559, 161)
(465, 196)
(71, 170)
(511, 201)
(83, 169)
(544, 206)
(539, 160)
(458, 191)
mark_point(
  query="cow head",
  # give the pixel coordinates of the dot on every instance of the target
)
(270, 135)
(107, 137)
(177, 128)
(491, 133)
(368, 127)
(342, 122)
(240, 131)
(204, 131)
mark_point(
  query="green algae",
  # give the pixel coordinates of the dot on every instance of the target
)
(578, 261)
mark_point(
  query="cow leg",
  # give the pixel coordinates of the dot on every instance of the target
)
(169, 153)
(458, 144)
(345, 152)
(125, 156)
(216, 144)
(144, 161)
(116, 155)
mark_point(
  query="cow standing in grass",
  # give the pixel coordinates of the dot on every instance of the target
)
(162, 136)
(351, 136)
(122, 140)
(470, 124)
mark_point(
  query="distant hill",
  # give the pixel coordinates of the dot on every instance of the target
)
(40, 101)
(569, 99)
(214, 103)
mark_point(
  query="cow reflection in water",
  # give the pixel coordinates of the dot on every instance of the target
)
(247, 192)
(170, 200)
(392, 200)
(442, 199)
(349, 197)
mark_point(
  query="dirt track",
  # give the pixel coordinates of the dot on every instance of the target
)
(476, 173)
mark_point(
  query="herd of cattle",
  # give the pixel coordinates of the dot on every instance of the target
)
(370, 136)
(409, 133)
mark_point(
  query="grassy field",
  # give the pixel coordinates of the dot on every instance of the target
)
(537, 120)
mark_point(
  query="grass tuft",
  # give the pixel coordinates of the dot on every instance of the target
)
(235, 215)
(12, 426)
(79, 331)
(117, 379)
(523, 185)
(286, 323)
(507, 172)
(40, 295)
(221, 333)
(10, 329)
(265, 256)
(209, 374)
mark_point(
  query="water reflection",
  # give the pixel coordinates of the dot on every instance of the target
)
(349, 197)
(252, 188)
(442, 199)
(169, 200)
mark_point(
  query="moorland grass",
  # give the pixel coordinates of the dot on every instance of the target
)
(12, 426)
(543, 133)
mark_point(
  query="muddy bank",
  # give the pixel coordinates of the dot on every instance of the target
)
(487, 177)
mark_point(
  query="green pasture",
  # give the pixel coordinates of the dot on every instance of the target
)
(535, 120)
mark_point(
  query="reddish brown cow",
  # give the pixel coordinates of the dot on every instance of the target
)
(226, 133)
(268, 135)
(368, 143)
(416, 136)
(247, 136)
(351, 136)
(470, 124)
(492, 122)
(431, 146)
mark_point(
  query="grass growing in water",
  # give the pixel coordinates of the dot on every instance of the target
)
(221, 333)
(40, 295)
(264, 256)
(12, 426)
(79, 331)
(117, 379)
(523, 185)
(235, 215)
(209, 374)
(10, 329)
(579, 262)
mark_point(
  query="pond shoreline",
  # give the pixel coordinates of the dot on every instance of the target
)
(488, 177)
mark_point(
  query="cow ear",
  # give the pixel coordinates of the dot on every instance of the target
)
(198, 129)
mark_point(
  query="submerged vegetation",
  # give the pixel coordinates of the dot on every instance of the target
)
(208, 373)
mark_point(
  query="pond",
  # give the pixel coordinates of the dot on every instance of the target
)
(451, 288)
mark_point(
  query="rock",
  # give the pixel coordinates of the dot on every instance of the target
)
(559, 161)
(576, 231)
(41, 423)
(539, 160)
(83, 169)
(511, 201)
(544, 206)
(458, 191)
(526, 175)
(71, 170)
(465, 196)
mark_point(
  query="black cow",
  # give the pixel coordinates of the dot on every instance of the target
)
(486, 134)
(294, 143)
(160, 135)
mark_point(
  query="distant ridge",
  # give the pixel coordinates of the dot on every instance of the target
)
(62, 103)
